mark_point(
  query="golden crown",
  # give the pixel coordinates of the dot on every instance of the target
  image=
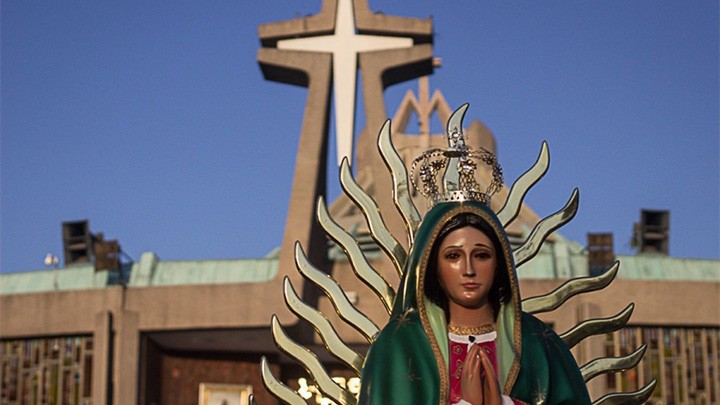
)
(460, 162)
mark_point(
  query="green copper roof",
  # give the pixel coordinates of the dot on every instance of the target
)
(148, 271)
(72, 278)
(659, 267)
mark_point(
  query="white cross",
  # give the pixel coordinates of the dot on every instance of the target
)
(344, 44)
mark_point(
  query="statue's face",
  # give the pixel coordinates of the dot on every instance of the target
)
(466, 267)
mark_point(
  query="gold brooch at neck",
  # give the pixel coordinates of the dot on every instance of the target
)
(470, 330)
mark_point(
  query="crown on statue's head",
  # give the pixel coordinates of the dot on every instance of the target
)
(460, 162)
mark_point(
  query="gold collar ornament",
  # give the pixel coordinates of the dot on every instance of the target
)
(470, 330)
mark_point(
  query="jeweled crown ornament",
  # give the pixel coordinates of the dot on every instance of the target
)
(460, 162)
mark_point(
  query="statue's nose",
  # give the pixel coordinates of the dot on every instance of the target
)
(469, 270)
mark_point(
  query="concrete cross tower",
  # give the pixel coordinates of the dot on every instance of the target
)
(323, 51)
(345, 45)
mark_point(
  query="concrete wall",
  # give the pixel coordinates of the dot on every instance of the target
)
(116, 316)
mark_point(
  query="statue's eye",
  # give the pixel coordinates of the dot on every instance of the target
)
(451, 255)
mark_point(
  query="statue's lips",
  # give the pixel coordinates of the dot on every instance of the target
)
(471, 286)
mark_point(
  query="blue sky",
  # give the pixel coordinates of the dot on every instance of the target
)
(153, 121)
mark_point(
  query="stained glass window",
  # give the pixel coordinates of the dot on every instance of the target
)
(683, 360)
(50, 371)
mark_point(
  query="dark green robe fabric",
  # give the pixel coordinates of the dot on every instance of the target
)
(407, 362)
(548, 371)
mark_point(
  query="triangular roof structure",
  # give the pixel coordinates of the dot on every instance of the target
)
(410, 145)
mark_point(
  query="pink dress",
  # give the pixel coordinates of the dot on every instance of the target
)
(459, 347)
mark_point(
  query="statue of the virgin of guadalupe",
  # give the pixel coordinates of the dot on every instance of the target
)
(457, 332)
